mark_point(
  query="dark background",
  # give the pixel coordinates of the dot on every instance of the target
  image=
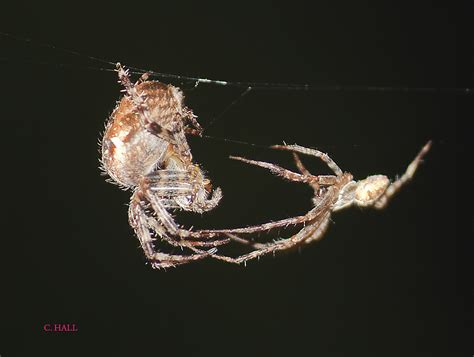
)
(393, 283)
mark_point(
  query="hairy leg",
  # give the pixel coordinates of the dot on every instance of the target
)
(164, 224)
(314, 229)
(140, 223)
(407, 176)
(278, 170)
(323, 201)
(311, 152)
(178, 185)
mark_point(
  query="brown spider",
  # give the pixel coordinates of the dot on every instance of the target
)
(331, 193)
(144, 148)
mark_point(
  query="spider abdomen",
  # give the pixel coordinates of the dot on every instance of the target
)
(130, 151)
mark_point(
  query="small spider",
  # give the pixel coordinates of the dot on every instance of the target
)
(144, 148)
(331, 193)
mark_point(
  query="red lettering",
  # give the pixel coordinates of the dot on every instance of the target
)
(60, 328)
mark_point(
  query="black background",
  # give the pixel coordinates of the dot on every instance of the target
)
(392, 283)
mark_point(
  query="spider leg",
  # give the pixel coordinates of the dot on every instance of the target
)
(278, 170)
(192, 131)
(316, 221)
(171, 228)
(319, 233)
(259, 228)
(313, 231)
(139, 220)
(177, 181)
(162, 229)
(191, 118)
(137, 98)
(299, 165)
(143, 78)
(180, 185)
(301, 168)
(311, 152)
(323, 203)
(407, 176)
(164, 216)
(167, 189)
(314, 181)
(155, 226)
(181, 143)
(240, 240)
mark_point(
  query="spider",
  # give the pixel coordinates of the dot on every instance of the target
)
(144, 149)
(331, 194)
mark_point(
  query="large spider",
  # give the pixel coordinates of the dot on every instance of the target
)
(331, 193)
(144, 148)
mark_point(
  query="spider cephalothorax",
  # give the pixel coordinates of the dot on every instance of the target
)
(144, 148)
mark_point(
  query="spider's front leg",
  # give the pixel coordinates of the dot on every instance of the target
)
(376, 190)
(406, 177)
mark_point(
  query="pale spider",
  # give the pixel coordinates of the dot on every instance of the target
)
(331, 193)
(144, 148)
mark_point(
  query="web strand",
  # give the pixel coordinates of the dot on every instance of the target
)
(226, 109)
(238, 142)
(255, 86)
